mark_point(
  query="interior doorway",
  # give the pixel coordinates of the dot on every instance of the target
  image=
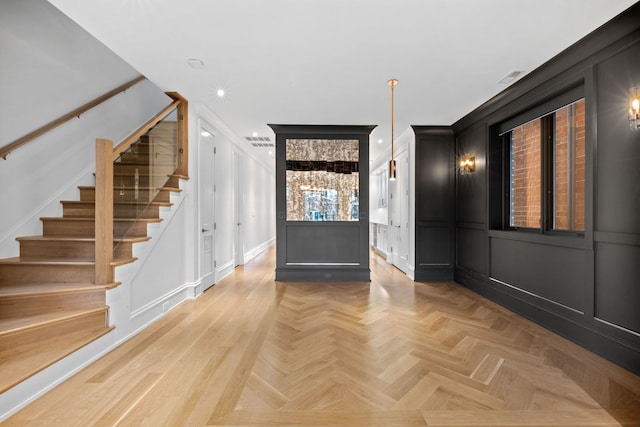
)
(238, 239)
(206, 170)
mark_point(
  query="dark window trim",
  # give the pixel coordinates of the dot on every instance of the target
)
(546, 107)
(498, 132)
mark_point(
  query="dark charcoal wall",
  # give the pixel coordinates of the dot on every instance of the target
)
(584, 287)
(435, 227)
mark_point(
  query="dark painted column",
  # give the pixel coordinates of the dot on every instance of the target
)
(435, 203)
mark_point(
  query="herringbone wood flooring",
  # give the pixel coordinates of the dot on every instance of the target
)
(253, 352)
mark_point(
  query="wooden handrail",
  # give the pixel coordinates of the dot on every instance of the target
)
(106, 154)
(4, 151)
(128, 141)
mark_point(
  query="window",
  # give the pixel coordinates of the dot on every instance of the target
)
(546, 170)
(322, 180)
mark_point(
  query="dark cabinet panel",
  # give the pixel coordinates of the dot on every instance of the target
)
(617, 291)
(618, 150)
(320, 247)
(435, 209)
(310, 243)
(555, 273)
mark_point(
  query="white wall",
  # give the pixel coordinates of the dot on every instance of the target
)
(224, 197)
(49, 66)
(259, 207)
(257, 191)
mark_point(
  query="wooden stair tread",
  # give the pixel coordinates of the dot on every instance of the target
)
(60, 261)
(81, 239)
(9, 290)
(173, 189)
(50, 308)
(80, 202)
(58, 218)
(49, 351)
(141, 162)
(20, 324)
(118, 173)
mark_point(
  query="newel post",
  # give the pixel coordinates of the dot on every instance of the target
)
(183, 134)
(104, 212)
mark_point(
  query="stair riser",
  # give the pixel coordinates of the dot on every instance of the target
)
(77, 250)
(29, 273)
(144, 196)
(23, 341)
(142, 148)
(54, 227)
(128, 180)
(128, 195)
(130, 169)
(173, 182)
(144, 159)
(88, 210)
(30, 305)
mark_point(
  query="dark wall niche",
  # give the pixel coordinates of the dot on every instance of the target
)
(317, 237)
(435, 211)
(584, 285)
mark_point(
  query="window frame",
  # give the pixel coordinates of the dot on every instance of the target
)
(500, 140)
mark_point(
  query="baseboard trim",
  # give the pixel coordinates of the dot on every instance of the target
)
(566, 323)
(444, 274)
(251, 254)
(323, 275)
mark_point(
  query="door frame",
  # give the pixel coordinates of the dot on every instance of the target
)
(238, 183)
(208, 278)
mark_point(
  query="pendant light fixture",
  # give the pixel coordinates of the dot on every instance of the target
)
(392, 162)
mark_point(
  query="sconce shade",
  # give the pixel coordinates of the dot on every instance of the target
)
(634, 108)
(467, 164)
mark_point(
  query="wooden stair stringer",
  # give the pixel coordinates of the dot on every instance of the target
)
(49, 306)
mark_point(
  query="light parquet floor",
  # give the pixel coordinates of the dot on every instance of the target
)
(253, 352)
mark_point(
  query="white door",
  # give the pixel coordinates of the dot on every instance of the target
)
(238, 244)
(399, 214)
(402, 254)
(207, 219)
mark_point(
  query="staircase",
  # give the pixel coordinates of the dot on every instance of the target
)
(49, 304)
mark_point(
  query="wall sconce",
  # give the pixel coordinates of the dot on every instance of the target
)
(467, 164)
(634, 108)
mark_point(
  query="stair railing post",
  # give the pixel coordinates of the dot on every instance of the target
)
(104, 212)
(183, 138)
(182, 134)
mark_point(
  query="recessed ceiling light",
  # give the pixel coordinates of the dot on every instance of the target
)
(379, 141)
(195, 63)
(220, 93)
(270, 153)
(255, 134)
(205, 133)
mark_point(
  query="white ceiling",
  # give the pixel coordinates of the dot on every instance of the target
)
(328, 61)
